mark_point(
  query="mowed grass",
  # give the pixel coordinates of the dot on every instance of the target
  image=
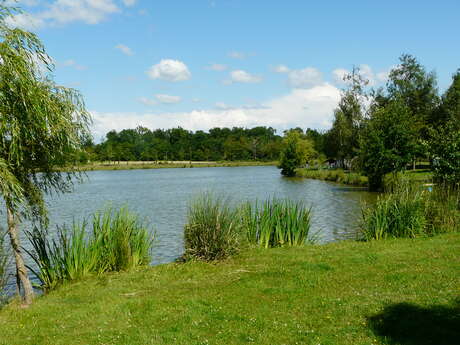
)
(402, 291)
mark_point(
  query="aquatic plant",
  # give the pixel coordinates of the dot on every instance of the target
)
(116, 242)
(276, 222)
(410, 211)
(212, 231)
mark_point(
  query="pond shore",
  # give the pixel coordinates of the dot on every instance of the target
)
(400, 291)
(131, 165)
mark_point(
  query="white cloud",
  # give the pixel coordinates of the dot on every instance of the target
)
(237, 55)
(124, 49)
(339, 75)
(311, 107)
(169, 70)
(240, 76)
(147, 101)
(216, 67)
(62, 12)
(304, 78)
(366, 73)
(129, 3)
(167, 99)
(73, 64)
(281, 69)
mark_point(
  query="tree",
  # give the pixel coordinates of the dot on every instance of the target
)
(348, 117)
(42, 126)
(387, 142)
(295, 153)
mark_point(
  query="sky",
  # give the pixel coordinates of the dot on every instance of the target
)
(200, 64)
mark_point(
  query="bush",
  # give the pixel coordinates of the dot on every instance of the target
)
(117, 241)
(212, 231)
(276, 223)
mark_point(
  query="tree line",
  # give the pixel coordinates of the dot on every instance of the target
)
(379, 131)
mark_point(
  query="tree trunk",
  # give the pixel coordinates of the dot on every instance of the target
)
(20, 265)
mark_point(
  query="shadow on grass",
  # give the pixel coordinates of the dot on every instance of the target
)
(409, 324)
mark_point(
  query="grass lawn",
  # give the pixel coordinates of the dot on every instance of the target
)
(388, 292)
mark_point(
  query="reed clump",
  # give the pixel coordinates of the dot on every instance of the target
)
(212, 231)
(412, 211)
(116, 241)
(276, 223)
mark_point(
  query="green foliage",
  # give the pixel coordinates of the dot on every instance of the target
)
(295, 153)
(387, 143)
(395, 215)
(116, 242)
(334, 175)
(410, 212)
(276, 223)
(178, 144)
(212, 231)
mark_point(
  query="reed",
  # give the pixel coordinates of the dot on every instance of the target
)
(411, 211)
(276, 222)
(334, 175)
(116, 242)
(212, 231)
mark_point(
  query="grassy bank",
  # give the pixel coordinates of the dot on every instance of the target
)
(382, 292)
(355, 179)
(131, 165)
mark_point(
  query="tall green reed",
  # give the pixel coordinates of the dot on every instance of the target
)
(212, 231)
(410, 210)
(276, 222)
(116, 242)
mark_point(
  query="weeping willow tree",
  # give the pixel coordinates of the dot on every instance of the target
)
(42, 127)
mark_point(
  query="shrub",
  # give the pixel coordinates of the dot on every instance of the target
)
(117, 241)
(276, 222)
(212, 231)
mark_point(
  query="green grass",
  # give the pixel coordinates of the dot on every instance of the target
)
(355, 179)
(402, 291)
(334, 175)
(276, 223)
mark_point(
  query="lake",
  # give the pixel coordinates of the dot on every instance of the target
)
(161, 197)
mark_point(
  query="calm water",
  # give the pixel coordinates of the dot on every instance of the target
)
(161, 197)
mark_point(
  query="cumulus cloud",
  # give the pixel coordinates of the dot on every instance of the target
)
(281, 69)
(124, 49)
(216, 67)
(167, 99)
(304, 78)
(61, 12)
(311, 107)
(169, 70)
(365, 71)
(240, 76)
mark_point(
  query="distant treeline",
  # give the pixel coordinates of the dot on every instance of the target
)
(258, 143)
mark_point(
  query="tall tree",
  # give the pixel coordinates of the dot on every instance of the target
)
(42, 126)
(349, 116)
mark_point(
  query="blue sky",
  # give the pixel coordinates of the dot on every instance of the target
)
(202, 63)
